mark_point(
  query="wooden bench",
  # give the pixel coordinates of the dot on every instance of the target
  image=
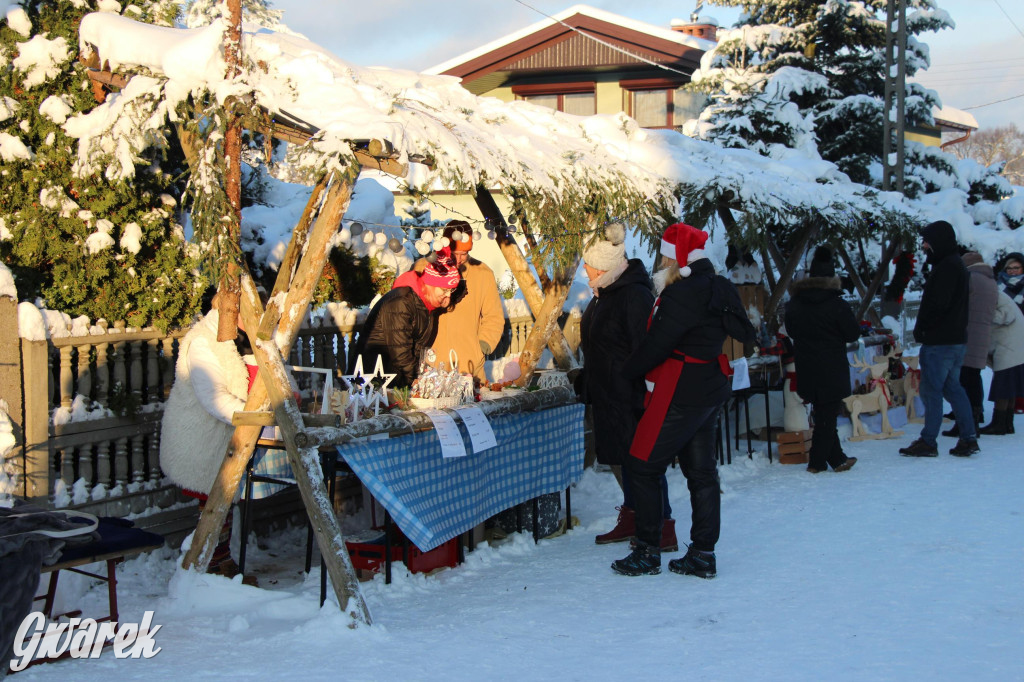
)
(119, 540)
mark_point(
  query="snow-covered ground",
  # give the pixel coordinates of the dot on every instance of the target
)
(901, 569)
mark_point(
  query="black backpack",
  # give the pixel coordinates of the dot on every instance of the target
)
(725, 303)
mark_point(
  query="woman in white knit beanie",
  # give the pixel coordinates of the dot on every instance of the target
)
(611, 329)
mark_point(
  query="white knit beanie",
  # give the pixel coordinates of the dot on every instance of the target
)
(608, 249)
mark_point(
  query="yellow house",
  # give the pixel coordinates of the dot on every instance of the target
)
(951, 126)
(588, 61)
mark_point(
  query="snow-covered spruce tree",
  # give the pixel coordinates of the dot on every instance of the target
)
(203, 12)
(796, 71)
(90, 245)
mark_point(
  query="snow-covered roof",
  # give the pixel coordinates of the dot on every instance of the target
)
(563, 160)
(955, 117)
(601, 15)
(471, 139)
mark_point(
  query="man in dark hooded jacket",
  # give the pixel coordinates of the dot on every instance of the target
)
(941, 330)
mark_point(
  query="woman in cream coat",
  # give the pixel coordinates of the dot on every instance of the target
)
(1007, 364)
(211, 384)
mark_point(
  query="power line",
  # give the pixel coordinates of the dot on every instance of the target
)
(998, 101)
(1009, 18)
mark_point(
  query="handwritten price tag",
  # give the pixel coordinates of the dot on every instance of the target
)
(448, 433)
(481, 435)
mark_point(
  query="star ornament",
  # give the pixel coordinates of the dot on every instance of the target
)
(369, 390)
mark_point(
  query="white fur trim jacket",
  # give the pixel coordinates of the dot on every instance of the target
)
(211, 383)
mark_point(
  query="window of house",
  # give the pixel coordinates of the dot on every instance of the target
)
(549, 101)
(660, 103)
(687, 105)
(651, 108)
(572, 98)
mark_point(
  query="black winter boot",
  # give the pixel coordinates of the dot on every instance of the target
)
(643, 560)
(997, 427)
(979, 416)
(965, 448)
(700, 564)
(1009, 421)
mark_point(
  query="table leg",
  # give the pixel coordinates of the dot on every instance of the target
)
(746, 414)
(536, 521)
(568, 509)
(246, 517)
(387, 548)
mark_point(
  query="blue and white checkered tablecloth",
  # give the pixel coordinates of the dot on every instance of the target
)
(433, 499)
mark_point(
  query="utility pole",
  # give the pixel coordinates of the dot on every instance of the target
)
(894, 125)
(895, 95)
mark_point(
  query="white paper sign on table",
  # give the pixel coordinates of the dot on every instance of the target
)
(481, 435)
(740, 374)
(448, 433)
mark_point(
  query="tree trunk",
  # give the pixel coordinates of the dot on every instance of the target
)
(876, 281)
(524, 277)
(546, 321)
(786, 276)
(228, 287)
(859, 283)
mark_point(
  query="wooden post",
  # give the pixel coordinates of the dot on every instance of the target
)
(35, 369)
(299, 292)
(305, 466)
(521, 271)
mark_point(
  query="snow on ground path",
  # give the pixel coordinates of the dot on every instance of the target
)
(900, 569)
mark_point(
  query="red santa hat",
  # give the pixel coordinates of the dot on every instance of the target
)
(684, 244)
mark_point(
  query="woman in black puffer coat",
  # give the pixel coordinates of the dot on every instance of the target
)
(612, 327)
(821, 323)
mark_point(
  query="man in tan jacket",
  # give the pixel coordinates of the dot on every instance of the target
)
(474, 324)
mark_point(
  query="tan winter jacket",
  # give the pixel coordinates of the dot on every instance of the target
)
(478, 317)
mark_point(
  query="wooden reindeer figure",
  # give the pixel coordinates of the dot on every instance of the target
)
(912, 388)
(879, 399)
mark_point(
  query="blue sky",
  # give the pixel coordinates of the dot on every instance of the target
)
(981, 61)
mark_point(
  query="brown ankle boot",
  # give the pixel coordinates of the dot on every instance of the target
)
(625, 528)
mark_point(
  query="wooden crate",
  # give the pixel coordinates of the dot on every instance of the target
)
(794, 446)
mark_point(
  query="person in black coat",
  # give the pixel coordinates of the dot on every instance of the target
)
(688, 381)
(821, 323)
(941, 329)
(611, 328)
(403, 323)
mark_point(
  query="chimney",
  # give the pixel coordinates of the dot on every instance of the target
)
(705, 28)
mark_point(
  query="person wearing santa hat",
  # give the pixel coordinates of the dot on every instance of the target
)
(403, 323)
(611, 328)
(688, 381)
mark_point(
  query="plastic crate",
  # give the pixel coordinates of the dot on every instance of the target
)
(369, 556)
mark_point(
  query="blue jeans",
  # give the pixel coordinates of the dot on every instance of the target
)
(940, 378)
